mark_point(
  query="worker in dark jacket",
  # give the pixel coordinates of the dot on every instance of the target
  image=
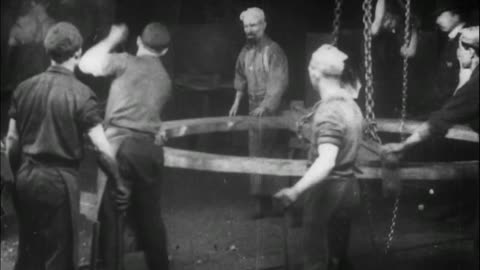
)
(450, 20)
(48, 116)
(461, 108)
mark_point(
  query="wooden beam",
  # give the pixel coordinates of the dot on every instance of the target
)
(287, 121)
(184, 159)
(371, 166)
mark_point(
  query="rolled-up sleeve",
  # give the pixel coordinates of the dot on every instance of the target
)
(277, 81)
(89, 112)
(328, 128)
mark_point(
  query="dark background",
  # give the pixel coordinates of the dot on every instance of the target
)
(207, 36)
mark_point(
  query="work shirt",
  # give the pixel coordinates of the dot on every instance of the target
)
(138, 93)
(262, 71)
(462, 108)
(338, 121)
(52, 111)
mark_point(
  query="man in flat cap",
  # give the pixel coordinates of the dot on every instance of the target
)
(461, 108)
(49, 114)
(138, 93)
(262, 73)
(450, 19)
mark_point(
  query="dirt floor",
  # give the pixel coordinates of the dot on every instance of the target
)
(207, 219)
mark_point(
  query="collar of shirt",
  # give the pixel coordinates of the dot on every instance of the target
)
(60, 69)
(454, 33)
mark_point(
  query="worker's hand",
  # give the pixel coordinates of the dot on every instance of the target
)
(407, 51)
(287, 196)
(259, 112)
(395, 148)
(161, 138)
(118, 33)
(234, 110)
(122, 197)
(392, 153)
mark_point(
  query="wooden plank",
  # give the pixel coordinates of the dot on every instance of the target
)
(460, 133)
(370, 167)
(287, 121)
(184, 159)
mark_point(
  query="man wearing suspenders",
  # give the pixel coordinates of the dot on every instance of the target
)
(261, 72)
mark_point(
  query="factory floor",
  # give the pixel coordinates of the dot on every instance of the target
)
(208, 226)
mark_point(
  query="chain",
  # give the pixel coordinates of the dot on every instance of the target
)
(336, 21)
(372, 130)
(393, 225)
(407, 38)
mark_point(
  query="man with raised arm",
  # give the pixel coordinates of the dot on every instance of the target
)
(138, 93)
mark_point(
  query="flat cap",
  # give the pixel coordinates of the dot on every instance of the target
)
(63, 38)
(156, 36)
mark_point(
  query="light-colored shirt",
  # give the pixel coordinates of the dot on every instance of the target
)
(138, 93)
(262, 71)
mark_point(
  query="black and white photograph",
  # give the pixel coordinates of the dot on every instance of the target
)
(239, 135)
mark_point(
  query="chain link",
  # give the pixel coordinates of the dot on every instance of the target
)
(407, 39)
(372, 130)
(336, 21)
(393, 225)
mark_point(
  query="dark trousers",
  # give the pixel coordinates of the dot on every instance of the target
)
(141, 164)
(328, 210)
(45, 225)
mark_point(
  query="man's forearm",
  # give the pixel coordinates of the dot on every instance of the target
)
(238, 97)
(12, 145)
(110, 167)
(12, 148)
(420, 135)
(105, 154)
(317, 173)
(413, 45)
(379, 15)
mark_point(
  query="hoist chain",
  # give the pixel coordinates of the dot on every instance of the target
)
(372, 130)
(393, 225)
(407, 39)
(336, 21)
